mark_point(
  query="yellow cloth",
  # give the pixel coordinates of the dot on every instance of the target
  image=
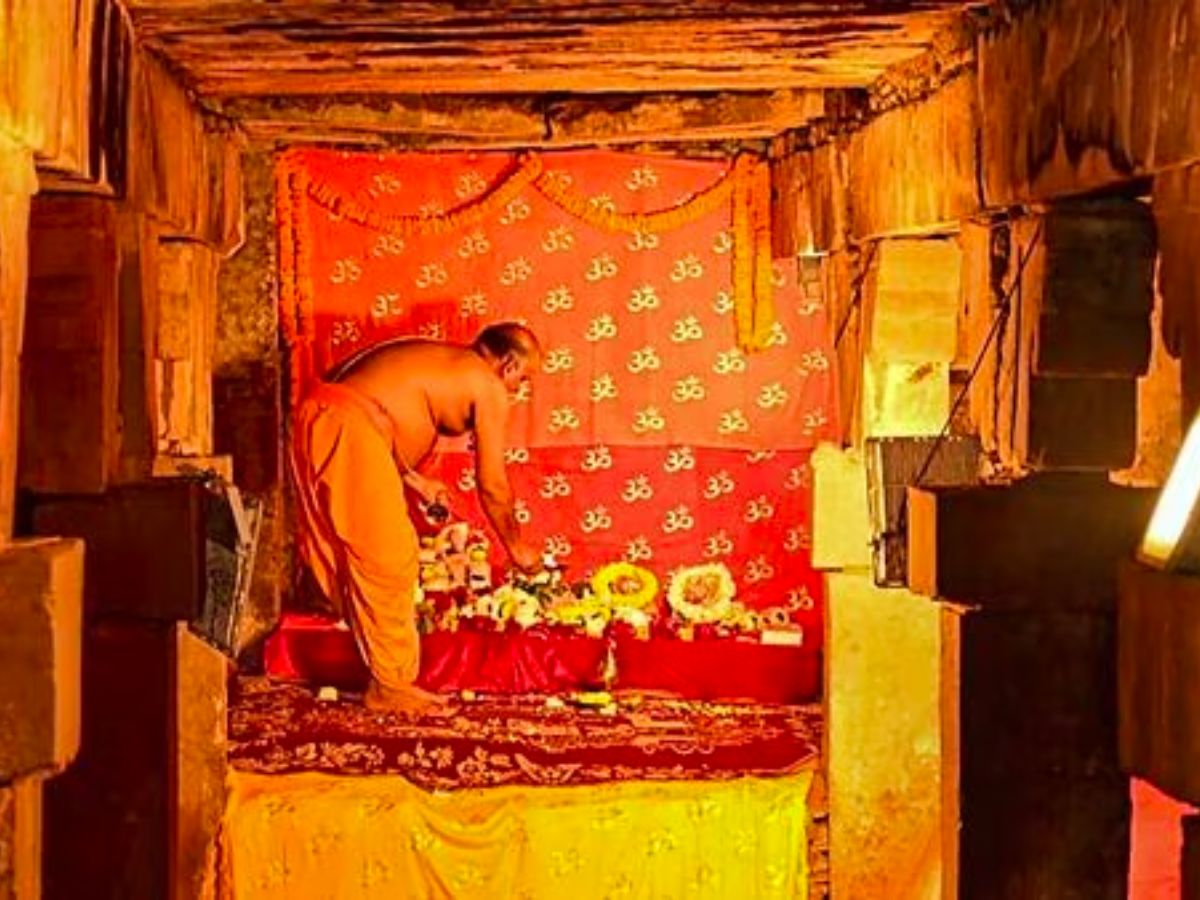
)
(355, 534)
(329, 837)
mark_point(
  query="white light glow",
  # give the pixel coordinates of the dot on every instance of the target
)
(1176, 504)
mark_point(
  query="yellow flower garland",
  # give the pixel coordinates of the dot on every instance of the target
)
(608, 577)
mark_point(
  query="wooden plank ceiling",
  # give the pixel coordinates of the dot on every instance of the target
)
(326, 66)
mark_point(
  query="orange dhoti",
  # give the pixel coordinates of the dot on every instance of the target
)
(355, 533)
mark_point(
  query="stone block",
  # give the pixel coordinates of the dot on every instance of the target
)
(885, 777)
(1099, 256)
(69, 379)
(1092, 344)
(136, 815)
(841, 525)
(41, 614)
(915, 288)
(21, 839)
(1158, 666)
(1079, 423)
(1040, 809)
(145, 546)
(904, 399)
(199, 709)
(1023, 546)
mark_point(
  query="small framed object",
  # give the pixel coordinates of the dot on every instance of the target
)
(1171, 541)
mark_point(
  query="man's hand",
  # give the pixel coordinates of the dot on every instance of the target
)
(430, 490)
(526, 558)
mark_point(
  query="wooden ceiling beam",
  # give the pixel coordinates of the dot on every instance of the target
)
(300, 47)
(500, 122)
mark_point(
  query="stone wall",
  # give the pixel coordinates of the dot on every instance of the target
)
(247, 386)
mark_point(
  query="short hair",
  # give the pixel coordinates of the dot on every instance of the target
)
(503, 338)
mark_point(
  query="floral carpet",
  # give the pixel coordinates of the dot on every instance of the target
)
(519, 739)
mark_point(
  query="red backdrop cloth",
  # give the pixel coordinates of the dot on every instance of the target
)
(314, 650)
(649, 436)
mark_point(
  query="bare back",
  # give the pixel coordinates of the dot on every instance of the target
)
(426, 388)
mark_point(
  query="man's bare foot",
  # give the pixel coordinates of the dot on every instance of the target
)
(409, 700)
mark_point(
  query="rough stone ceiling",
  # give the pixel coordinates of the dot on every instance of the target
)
(291, 56)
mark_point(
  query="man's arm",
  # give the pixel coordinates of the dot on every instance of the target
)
(495, 493)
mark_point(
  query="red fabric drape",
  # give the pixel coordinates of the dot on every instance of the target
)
(651, 435)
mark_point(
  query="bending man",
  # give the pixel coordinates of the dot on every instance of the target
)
(357, 441)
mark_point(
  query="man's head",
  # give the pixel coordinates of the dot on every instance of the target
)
(512, 350)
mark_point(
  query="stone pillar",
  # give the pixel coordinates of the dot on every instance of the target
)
(881, 697)
(17, 184)
(41, 587)
(1177, 214)
(1037, 805)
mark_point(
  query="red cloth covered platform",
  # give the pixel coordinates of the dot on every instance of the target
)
(518, 740)
(316, 650)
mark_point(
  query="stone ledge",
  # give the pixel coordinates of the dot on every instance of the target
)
(41, 610)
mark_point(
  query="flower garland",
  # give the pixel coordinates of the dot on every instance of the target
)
(468, 214)
(696, 207)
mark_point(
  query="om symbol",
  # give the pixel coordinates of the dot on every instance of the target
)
(643, 298)
(555, 486)
(642, 240)
(345, 271)
(723, 243)
(559, 299)
(559, 360)
(597, 458)
(563, 418)
(386, 305)
(642, 177)
(516, 271)
(603, 388)
(718, 544)
(733, 422)
(432, 275)
(637, 488)
(516, 211)
(722, 303)
(678, 519)
(388, 245)
(758, 569)
(601, 328)
(601, 267)
(647, 420)
(638, 550)
(679, 459)
(772, 395)
(558, 240)
(473, 304)
(759, 509)
(596, 519)
(469, 184)
(687, 329)
(687, 389)
(730, 362)
(474, 244)
(687, 267)
(718, 485)
(644, 360)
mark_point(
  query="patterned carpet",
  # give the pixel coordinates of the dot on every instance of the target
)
(519, 740)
